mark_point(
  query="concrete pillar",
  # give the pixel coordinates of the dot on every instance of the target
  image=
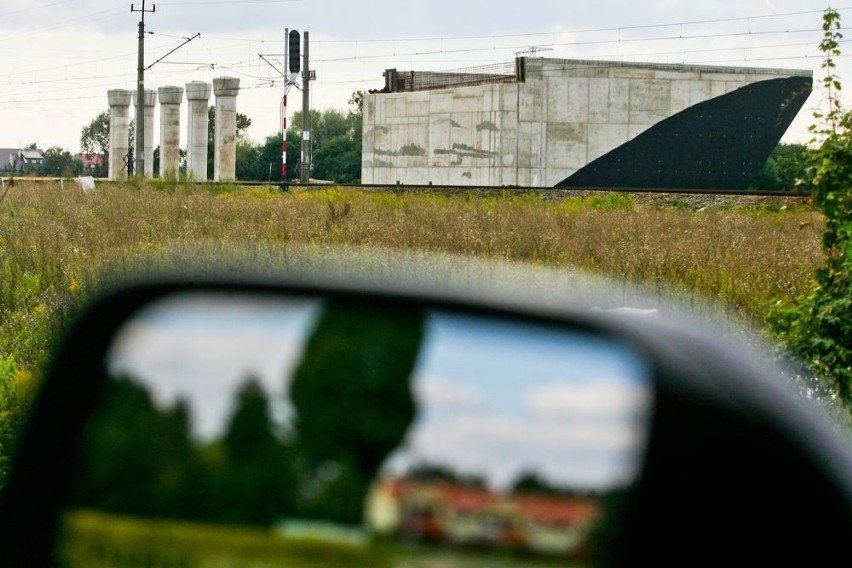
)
(170, 100)
(197, 94)
(149, 102)
(225, 148)
(119, 130)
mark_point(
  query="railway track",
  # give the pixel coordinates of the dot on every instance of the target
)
(555, 192)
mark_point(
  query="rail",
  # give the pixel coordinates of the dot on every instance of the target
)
(456, 189)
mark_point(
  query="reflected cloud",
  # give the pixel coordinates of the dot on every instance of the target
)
(606, 398)
(436, 390)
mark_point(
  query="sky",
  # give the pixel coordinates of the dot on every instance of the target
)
(495, 399)
(60, 57)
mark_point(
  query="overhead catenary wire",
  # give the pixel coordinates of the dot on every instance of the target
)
(484, 49)
(754, 40)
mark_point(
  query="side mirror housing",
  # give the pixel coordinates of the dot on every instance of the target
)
(396, 414)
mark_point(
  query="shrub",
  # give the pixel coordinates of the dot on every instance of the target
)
(17, 388)
(818, 327)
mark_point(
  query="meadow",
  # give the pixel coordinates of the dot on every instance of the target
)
(56, 244)
(96, 539)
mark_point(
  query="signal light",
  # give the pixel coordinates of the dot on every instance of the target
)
(295, 56)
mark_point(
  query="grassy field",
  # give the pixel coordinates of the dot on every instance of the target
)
(96, 539)
(55, 243)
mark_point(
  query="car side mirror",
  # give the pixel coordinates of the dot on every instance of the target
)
(208, 421)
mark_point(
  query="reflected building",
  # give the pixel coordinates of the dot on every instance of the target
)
(441, 512)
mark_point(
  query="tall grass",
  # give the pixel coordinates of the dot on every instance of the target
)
(54, 243)
(57, 244)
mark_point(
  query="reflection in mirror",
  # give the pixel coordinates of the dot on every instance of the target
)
(303, 431)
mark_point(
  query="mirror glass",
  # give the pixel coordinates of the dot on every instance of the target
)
(254, 430)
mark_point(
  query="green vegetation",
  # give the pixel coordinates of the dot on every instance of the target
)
(54, 244)
(818, 325)
(17, 388)
(95, 539)
(785, 168)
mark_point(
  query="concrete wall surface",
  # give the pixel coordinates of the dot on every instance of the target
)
(565, 114)
(225, 147)
(119, 131)
(170, 98)
(197, 96)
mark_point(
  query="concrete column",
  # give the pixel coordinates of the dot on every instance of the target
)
(197, 94)
(119, 130)
(170, 100)
(149, 102)
(225, 148)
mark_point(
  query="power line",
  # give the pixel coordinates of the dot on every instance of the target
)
(566, 44)
(34, 8)
(547, 33)
(222, 2)
(236, 67)
(94, 17)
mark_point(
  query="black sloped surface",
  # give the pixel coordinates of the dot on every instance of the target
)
(718, 144)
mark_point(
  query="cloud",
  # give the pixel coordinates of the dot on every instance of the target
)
(608, 399)
(434, 390)
(597, 443)
(500, 449)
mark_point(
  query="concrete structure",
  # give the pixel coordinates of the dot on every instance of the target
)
(170, 101)
(119, 131)
(537, 125)
(225, 146)
(198, 95)
(149, 102)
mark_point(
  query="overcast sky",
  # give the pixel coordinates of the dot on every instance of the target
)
(59, 57)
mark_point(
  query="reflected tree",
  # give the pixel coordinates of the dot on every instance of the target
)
(256, 483)
(353, 402)
(138, 460)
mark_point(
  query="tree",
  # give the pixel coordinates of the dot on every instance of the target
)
(339, 160)
(818, 327)
(787, 164)
(59, 162)
(94, 138)
(247, 160)
(136, 456)
(336, 141)
(348, 423)
(257, 483)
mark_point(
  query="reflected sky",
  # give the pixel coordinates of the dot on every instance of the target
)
(200, 347)
(507, 398)
(496, 398)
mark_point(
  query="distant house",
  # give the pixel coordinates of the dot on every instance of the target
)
(8, 159)
(477, 517)
(17, 159)
(33, 157)
(92, 163)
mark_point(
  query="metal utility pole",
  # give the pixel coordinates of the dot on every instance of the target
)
(306, 113)
(293, 54)
(139, 142)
